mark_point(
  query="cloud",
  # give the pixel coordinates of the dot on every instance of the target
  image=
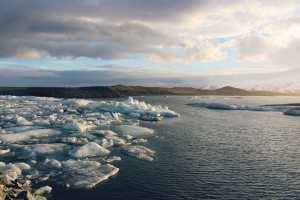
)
(260, 48)
(162, 30)
(18, 75)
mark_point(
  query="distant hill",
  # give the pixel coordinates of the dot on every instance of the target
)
(62, 92)
(229, 91)
(119, 91)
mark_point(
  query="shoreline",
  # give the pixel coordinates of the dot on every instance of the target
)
(121, 91)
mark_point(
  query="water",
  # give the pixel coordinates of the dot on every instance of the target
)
(210, 154)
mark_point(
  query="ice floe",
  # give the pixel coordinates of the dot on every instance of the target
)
(43, 149)
(86, 174)
(41, 136)
(90, 149)
(284, 108)
(293, 111)
(134, 131)
(26, 135)
(43, 190)
(139, 152)
(221, 106)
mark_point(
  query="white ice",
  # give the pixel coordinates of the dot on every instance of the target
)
(90, 149)
(134, 131)
(43, 190)
(47, 131)
(27, 135)
(86, 174)
(43, 149)
(221, 106)
(139, 152)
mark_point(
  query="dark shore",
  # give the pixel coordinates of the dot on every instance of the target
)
(120, 91)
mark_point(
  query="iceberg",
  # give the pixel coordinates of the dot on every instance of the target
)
(43, 149)
(293, 111)
(90, 149)
(11, 170)
(23, 136)
(131, 108)
(221, 106)
(43, 190)
(86, 174)
(139, 152)
(133, 130)
(21, 121)
(76, 125)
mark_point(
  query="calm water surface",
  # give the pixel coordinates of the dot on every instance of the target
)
(210, 154)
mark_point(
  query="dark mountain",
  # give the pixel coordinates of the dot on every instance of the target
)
(119, 91)
(62, 92)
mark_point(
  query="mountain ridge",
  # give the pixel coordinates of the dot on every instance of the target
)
(118, 91)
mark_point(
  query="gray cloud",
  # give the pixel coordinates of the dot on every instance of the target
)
(113, 75)
(163, 30)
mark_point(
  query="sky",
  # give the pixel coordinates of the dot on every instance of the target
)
(249, 44)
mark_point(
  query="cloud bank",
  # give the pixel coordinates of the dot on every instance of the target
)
(287, 81)
(162, 30)
(242, 37)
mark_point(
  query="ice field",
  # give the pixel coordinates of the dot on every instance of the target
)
(70, 141)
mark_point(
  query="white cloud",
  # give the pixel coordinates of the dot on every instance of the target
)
(258, 48)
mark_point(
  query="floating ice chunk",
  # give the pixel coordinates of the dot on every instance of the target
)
(10, 170)
(41, 122)
(7, 118)
(74, 125)
(116, 116)
(293, 111)
(134, 115)
(43, 190)
(134, 131)
(76, 102)
(83, 135)
(133, 106)
(260, 108)
(21, 121)
(22, 166)
(86, 174)
(221, 106)
(7, 111)
(4, 151)
(52, 118)
(52, 163)
(112, 159)
(23, 128)
(129, 101)
(72, 140)
(43, 149)
(103, 132)
(139, 152)
(23, 136)
(128, 137)
(106, 143)
(115, 139)
(90, 149)
(141, 140)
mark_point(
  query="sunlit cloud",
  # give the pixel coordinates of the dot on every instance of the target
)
(186, 33)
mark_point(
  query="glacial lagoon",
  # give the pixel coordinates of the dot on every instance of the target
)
(91, 149)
